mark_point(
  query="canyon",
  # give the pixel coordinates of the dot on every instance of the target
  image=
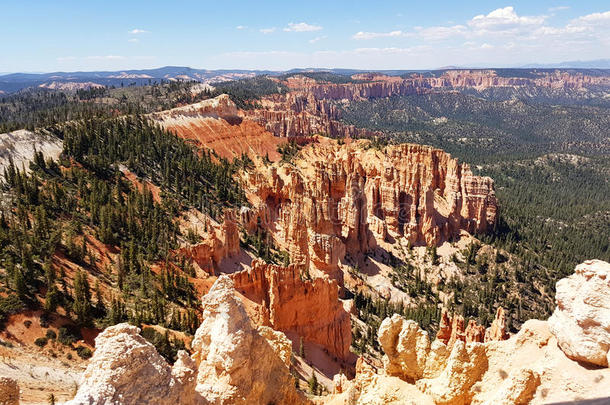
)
(232, 362)
(339, 200)
(341, 217)
(312, 106)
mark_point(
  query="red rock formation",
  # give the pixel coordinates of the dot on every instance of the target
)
(344, 198)
(218, 125)
(308, 308)
(497, 330)
(451, 329)
(220, 241)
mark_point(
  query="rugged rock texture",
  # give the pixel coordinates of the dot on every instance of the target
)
(339, 199)
(127, 369)
(449, 373)
(529, 367)
(497, 330)
(231, 364)
(372, 388)
(279, 342)
(9, 391)
(219, 242)
(406, 347)
(308, 308)
(581, 321)
(451, 329)
(236, 365)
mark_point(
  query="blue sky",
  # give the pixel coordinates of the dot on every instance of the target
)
(113, 35)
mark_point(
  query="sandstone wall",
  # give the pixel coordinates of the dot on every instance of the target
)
(308, 308)
(339, 199)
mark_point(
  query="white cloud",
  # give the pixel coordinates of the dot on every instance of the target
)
(241, 27)
(267, 30)
(302, 27)
(486, 46)
(595, 18)
(316, 39)
(137, 31)
(134, 40)
(373, 35)
(502, 19)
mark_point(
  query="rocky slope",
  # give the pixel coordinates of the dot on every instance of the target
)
(337, 200)
(581, 321)
(231, 363)
(21, 145)
(533, 366)
(218, 125)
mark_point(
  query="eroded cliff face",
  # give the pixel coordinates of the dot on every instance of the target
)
(337, 200)
(217, 124)
(219, 241)
(308, 308)
(452, 329)
(310, 108)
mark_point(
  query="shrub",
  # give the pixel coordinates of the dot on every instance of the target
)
(67, 335)
(41, 341)
(84, 352)
(27, 324)
(44, 320)
(51, 335)
(6, 344)
(69, 356)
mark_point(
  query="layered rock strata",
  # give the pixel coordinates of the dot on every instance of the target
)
(288, 302)
(310, 107)
(217, 124)
(337, 199)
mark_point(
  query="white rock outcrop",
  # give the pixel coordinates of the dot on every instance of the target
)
(236, 365)
(231, 363)
(581, 321)
(127, 369)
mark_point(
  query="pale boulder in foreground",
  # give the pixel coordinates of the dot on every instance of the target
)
(581, 321)
(232, 363)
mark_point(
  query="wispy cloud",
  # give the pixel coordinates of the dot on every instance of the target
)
(105, 57)
(302, 27)
(134, 40)
(373, 35)
(316, 39)
(267, 30)
(241, 27)
(137, 31)
(558, 8)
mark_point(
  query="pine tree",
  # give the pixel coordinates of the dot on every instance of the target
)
(82, 299)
